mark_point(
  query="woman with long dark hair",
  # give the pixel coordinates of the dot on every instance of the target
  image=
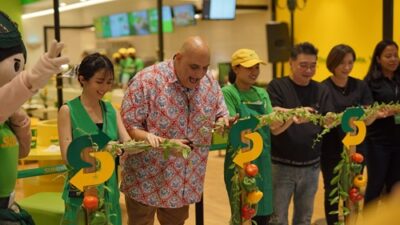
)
(383, 157)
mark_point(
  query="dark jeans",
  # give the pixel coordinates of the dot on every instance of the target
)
(383, 163)
(261, 220)
(328, 163)
(299, 182)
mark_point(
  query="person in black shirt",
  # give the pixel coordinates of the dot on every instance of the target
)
(346, 92)
(295, 164)
(383, 157)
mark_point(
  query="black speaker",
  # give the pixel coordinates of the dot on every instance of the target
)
(278, 42)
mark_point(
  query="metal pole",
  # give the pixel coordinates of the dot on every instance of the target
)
(291, 6)
(291, 28)
(59, 82)
(273, 18)
(160, 31)
(387, 20)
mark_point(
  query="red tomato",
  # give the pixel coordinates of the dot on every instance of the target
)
(354, 190)
(354, 195)
(251, 170)
(90, 202)
(248, 212)
(357, 158)
(359, 197)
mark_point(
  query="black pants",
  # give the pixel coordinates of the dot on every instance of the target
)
(4, 202)
(328, 163)
(261, 220)
(383, 163)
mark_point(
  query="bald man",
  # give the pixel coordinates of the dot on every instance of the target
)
(174, 100)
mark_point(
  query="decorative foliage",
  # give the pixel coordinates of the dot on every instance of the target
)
(135, 147)
(94, 201)
(348, 173)
(327, 122)
(245, 194)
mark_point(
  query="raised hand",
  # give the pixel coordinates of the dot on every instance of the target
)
(48, 64)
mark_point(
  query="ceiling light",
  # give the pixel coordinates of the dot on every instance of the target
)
(64, 8)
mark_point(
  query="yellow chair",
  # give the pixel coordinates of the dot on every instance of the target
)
(47, 133)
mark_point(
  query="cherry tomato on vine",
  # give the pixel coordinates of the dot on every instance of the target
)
(357, 158)
(354, 195)
(354, 190)
(90, 202)
(251, 170)
(248, 212)
(360, 197)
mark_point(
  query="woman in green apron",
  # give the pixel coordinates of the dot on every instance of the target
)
(88, 114)
(243, 98)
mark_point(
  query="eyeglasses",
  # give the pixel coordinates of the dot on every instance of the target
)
(305, 66)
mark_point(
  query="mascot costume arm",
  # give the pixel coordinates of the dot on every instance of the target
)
(16, 86)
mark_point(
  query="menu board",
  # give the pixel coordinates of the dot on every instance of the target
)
(134, 23)
(167, 19)
(184, 15)
(139, 23)
(119, 25)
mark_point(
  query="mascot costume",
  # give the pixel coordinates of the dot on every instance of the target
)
(16, 86)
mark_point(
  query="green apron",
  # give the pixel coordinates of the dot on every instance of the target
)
(9, 152)
(264, 182)
(74, 214)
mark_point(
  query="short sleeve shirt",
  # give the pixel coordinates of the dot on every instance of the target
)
(156, 102)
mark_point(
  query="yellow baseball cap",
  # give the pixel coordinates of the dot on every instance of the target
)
(116, 55)
(246, 58)
(131, 51)
(123, 51)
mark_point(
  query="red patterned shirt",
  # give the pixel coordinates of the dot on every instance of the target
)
(156, 102)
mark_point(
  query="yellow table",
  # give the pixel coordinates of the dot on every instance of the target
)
(47, 183)
(42, 153)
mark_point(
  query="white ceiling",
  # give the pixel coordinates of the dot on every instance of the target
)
(48, 4)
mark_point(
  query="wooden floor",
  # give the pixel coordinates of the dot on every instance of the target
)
(216, 206)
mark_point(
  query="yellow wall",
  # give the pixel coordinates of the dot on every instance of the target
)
(396, 21)
(326, 23)
(13, 9)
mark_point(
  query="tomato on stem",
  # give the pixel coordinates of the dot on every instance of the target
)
(90, 202)
(357, 158)
(354, 195)
(248, 212)
(251, 169)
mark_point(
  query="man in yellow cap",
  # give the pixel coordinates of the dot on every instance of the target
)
(243, 98)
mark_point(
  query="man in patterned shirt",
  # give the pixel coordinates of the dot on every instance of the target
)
(176, 100)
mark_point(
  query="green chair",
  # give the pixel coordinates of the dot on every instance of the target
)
(46, 208)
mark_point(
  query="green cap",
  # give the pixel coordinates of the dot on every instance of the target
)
(10, 38)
